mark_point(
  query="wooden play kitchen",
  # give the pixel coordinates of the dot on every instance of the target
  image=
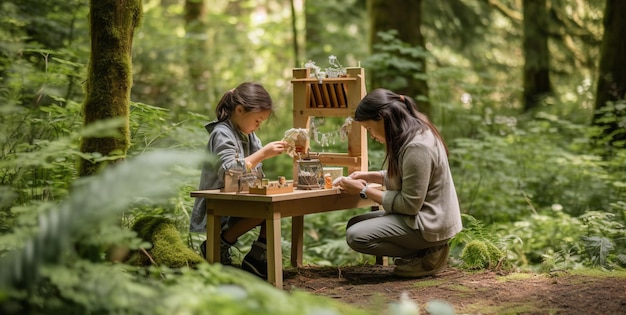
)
(313, 96)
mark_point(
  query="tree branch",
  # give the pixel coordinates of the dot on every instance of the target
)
(512, 14)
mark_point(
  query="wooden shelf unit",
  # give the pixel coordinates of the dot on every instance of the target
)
(333, 97)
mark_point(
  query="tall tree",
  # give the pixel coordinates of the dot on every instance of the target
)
(196, 53)
(107, 90)
(536, 54)
(405, 17)
(611, 87)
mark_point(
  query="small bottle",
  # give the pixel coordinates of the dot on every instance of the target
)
(328, 181)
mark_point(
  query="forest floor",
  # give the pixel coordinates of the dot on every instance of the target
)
(374, 287)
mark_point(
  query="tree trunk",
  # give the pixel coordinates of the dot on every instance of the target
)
(112, 24)
(294, 31)
(536, 54)
(197, 51)
(406, 18)
(314, 17)
(612, 74)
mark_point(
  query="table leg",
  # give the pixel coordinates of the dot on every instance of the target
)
(213, 230)
(274, 251)
(297, 240)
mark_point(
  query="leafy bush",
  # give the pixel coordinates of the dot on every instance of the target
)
(506, 176)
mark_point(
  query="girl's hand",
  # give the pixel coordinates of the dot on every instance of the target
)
(274, 148)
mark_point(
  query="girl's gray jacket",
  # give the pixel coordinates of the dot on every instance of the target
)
(228, 145)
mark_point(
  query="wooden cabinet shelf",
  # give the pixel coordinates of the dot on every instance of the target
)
(333, 97)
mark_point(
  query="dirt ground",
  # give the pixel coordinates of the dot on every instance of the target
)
(374, 287)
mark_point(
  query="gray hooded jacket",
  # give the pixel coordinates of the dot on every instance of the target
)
(228, 144)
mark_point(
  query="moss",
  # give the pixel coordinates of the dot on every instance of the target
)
(483, 254)
(497, 257)
(168, 249)
(475, 255)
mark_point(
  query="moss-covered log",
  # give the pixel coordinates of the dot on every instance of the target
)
(107, 90)
(167, 249)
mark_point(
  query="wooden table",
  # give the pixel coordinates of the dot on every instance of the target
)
(273, 208)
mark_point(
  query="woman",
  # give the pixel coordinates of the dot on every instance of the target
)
(421, 210)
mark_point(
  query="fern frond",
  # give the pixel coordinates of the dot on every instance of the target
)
(597, 248)
(148, 177)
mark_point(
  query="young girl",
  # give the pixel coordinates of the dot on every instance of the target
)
(421, 210)
(232, 139)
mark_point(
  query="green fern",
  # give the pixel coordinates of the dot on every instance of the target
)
(598, 249)
(94, 200)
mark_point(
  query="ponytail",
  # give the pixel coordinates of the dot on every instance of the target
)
(226, 106)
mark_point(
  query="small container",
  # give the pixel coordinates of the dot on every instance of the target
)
(310, 174)
(328, 181)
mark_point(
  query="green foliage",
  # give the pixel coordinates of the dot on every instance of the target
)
(334, 28)
(40, 149)
(541, 188)
(73, 285)
(476, 248)
(597, 248)
(396, 60)
(506, 176)
(612, 116)
(95, 288)
(325, 240)
(556, 240)
(94, 201)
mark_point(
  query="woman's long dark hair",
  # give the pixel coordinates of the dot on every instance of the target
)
(252, 96)
(401, 118)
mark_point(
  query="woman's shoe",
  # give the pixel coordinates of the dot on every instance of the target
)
(435, 260)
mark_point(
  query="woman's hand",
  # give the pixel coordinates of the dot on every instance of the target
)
(359, 175)
(351, 186)
(369, 176)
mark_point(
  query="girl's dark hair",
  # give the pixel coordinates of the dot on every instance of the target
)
(252, 96)
(401, 118)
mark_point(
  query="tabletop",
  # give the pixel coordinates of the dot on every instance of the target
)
(296, 194)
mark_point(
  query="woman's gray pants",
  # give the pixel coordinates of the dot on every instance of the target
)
(385, 235)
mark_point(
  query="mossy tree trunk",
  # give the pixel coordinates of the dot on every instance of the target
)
(536, 54)
(112, 25)
(611, 87)
(406, 18)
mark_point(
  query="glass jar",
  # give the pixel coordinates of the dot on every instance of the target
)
(310, 174)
